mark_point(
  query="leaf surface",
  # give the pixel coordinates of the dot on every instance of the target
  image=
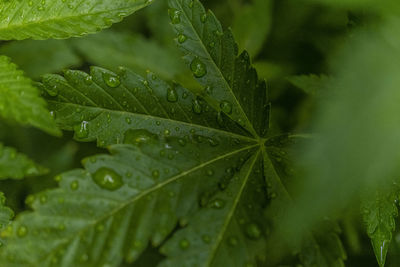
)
(105, 106)
(58, 19)
(231, 84)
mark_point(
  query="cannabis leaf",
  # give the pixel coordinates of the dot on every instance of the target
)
(104, 106)
(39, 19)
(379, 212)
(119, 203)
(16, 165)
(20, 101)
(231, 84)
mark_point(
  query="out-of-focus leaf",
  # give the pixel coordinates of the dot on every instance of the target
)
(252, 24)
(17, 166)
(36, 58)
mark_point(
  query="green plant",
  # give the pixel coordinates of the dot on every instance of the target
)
(187, 162)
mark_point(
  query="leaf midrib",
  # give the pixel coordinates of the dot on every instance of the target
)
(232, 211)
(151, 117)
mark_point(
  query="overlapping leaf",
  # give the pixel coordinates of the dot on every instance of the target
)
(20, 101)
(16, 165)
(38, 19)
(132, 51)
(231, 84)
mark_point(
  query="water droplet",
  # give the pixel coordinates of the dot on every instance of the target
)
(253, 231)
(184, 244)
(226, 107)
(128, 120)
(111, 79)
(74, 185)
(82, 130)
(218, 204)
(52, 91)
(89, 80)
(138, 137)
(155, 174)
(203, 18)
(174, 15)
(172, 95)
(22, 231)
(196, 106)
(198, 68)
(182, 38)
(107, 179)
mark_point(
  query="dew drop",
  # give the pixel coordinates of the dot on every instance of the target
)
(182, 38)
(107, 179)
(138, 137)
(184, 244)
(226, 107)
(196, 106)
(172, 95)
(174, 15)
(74, 185)
(111, 80)
(198, 68)
(22, 231)
(253, 231)
(218, 204)
(52, 91)
(82, 130)
(155, 174)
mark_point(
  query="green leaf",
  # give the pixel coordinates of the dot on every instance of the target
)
(251, 25)
(112, 209)
(212, 55)
(16, 165)
(311, 84)
(132, 51)
(20, 101)
(379, 212)
(39, 19)
(36, 58)
(235, 232)
(106, 106)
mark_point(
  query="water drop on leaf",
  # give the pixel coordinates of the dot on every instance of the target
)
(107, 179)
(111, 80)
(198, 68)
